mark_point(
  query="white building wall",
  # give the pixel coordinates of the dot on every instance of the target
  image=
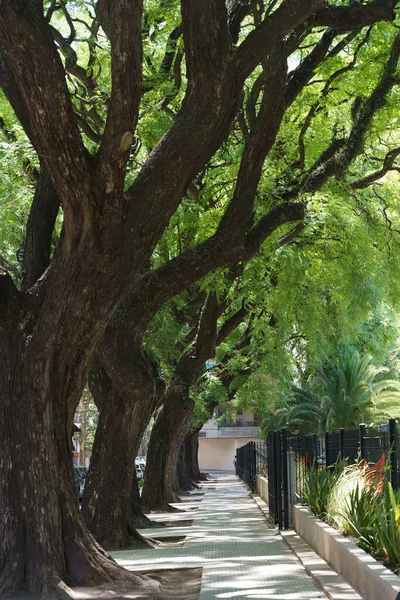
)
(217, 454)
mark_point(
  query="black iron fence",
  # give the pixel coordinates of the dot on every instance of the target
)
(278, 477)
(251, 460)
(284, 459)
(372, 444)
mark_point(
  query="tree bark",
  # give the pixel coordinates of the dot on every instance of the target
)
(39, 229)
(192, 455)
(108, 505)
(169, 429)
(175, 417)
(43, 538)
(186, 478)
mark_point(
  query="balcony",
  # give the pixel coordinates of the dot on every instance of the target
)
(238, 423)
(241, 428)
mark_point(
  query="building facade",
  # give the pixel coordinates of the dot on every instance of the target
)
(219, 439)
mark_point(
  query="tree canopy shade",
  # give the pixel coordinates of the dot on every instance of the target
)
(127, 122)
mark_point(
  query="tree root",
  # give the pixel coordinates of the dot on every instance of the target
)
(162, 507)
(56, 589)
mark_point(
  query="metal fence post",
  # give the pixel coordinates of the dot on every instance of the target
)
(315, 447)
(363, 435)
(307, 451)
(285, 476)
(248, 464)
(341, 443)
(394, 476)
(253, 466)
(275, 468)
(292, 480)
(279, 478)
(327, 455)
(271, 472)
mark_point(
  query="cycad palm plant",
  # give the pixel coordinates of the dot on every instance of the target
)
(343, 394)
(306, 413)
(275, 419)
(347, 390)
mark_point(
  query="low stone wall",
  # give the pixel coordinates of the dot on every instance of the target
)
(362, 571)
(262, 488)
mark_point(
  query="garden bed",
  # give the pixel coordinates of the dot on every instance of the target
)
(362, 571)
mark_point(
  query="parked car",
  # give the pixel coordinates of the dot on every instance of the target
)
(79, 483)
(141, 460)
(139, 472)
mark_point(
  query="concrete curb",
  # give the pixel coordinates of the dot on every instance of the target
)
(371, 579)
(334, 586)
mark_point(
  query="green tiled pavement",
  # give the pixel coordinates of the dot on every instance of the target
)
(241, 556)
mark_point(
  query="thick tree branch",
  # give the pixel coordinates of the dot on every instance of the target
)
(231, 324)
(388, 165)
(170, 51)
(191, 362)
(30, 52)
(237, 11)
(355, 16)
(9, 296)
(218, 251)
(203, 122)
(284, 213)
(207, 41)
(198, 130)
(302, 74)
(126, 71)
(39, 229)
(312, 13)
(354, 144)
(237, 217)
(45, 204)
(263, 38)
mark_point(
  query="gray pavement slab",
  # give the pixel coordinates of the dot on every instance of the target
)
(241, 554)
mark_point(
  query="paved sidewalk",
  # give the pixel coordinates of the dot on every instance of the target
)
(241, 556)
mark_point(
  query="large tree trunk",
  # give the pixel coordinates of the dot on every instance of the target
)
(183, 475)
(191, 442)
(194, 456)
(43, 538)
(168, 432)
(175, 418)
(108, 503)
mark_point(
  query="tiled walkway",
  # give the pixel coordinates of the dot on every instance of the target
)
(241, 556)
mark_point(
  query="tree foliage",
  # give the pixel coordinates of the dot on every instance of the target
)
(179, 141)
(343, 393)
